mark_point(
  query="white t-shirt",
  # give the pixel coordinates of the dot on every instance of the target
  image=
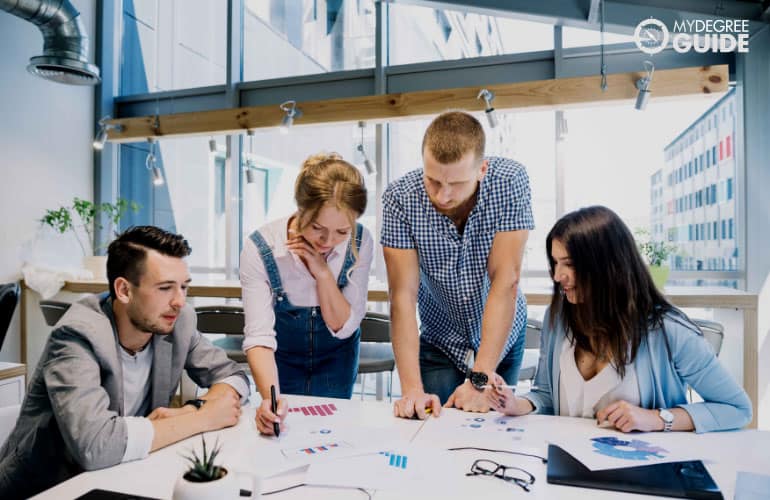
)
(584, 398)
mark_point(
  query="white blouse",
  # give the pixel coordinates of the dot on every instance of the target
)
(584, 398)
(297, 282)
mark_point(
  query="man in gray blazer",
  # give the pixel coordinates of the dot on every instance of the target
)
(100, 394)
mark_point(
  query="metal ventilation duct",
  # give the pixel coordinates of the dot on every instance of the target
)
(65, 41)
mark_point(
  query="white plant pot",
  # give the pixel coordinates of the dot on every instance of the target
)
(226, 486)
(97, 264)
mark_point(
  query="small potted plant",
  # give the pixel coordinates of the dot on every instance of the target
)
(656, 253)
(63, 220)
(204, 480)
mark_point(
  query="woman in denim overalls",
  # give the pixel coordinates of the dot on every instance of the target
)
(304, 281)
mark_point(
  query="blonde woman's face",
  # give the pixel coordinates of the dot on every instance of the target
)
(329, 229)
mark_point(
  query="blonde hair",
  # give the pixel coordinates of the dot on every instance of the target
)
(326, 178)
(451, 135)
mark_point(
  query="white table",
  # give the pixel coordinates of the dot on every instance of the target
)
(723, 453)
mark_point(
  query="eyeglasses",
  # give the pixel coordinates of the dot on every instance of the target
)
(508, 473)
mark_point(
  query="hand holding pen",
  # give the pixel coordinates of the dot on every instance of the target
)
(267, 419)
(501, 398)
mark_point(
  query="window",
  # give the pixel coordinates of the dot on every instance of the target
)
(730, 234)
(577, 37)
(174, 44)
(190, 172)
(724, 229)
(713, 155)
(422, 34)
(721, 152)
(727, 145)
(729, 188)
(283, 38)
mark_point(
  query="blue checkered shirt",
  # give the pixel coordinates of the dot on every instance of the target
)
(454, 283)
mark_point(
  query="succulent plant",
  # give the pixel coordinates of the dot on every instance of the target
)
(202, 469)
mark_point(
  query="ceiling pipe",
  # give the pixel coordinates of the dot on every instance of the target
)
(65, 42)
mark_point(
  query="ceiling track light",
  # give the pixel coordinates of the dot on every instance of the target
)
(251, 175)
(370, 168)
(291, 112)
(488, 109)
(151, 162)
(643, 86)
(101, 136)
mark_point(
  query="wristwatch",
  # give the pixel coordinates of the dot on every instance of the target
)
(667, 417)
(197, 403)
(478, 379)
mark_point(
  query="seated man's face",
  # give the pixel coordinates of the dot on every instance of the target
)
(155, 304)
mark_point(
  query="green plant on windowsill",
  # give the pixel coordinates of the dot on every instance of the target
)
(656, 253)
(63, 220)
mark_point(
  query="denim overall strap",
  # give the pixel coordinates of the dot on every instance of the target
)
(270, 266)
(350, 259)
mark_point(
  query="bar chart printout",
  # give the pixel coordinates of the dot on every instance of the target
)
(322, 410)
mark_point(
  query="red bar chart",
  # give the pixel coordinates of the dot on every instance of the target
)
(322, 410)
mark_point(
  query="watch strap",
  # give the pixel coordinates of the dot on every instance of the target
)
(197, 403)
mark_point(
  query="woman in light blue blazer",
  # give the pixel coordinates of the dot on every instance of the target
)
(613, 348)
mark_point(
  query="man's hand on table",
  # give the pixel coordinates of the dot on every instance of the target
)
(414, 403)
(468, 398)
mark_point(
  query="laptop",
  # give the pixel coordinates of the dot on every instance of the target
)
(675, 479)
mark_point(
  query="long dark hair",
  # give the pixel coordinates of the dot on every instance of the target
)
(617, 300)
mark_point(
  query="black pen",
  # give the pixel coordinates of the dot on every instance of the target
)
(274, 409)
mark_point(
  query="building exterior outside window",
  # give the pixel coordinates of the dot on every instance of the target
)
(695, 227)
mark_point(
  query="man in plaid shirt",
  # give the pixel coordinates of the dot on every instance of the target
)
(453, 235)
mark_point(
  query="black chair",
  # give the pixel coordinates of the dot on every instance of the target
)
(227, 320)
(532, 341)
(376, 353)
(9, 297)
(53, 310)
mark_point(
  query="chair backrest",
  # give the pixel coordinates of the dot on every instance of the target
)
(220, 319)
(534, 327)
(9, 297)
(53, 310)
(375, 327)
(713, 332)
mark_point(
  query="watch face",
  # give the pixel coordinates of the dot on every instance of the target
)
(479, 379)
(666, 415)
(651, 36)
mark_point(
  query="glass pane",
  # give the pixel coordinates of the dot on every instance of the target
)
(275, 160)
(682, 152)
(190, 171)
(172, 44)
(526, 137)
(284, 38)
(422, 34)
(576, 37)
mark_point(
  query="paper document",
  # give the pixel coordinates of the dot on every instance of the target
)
(602, 448)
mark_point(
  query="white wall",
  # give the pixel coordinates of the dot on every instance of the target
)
(45, 136)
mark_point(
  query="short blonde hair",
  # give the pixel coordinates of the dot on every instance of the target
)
(327, 178)
(451, 135)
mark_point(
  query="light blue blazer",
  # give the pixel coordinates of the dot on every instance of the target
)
(662, 377)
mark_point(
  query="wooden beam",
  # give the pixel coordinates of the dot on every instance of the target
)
(540, 94)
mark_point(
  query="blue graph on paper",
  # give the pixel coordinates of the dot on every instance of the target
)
(633, 449)
(395, 460)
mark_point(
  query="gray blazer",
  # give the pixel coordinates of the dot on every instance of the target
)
(72, 416)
